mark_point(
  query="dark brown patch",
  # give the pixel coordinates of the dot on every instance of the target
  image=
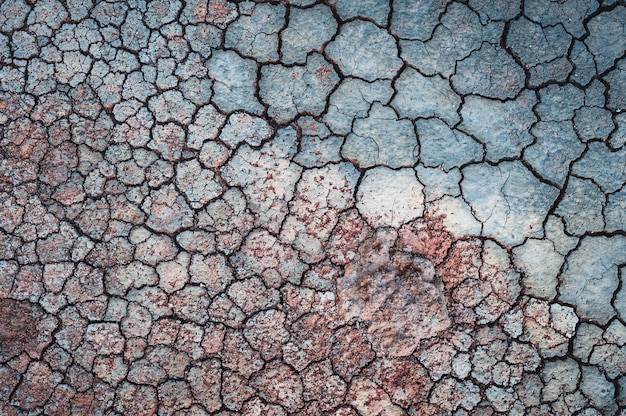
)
(18, 327)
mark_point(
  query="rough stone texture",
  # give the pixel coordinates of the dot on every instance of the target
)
(452, 394)
(489, 72)
(603, 166)
(308, 30)
(416, 20)
(243, 127)
(37, 386)
(507, 197)
(501, 127)
(375, 49)
(269, 184)
(317, 146)
(381, 139)
(234, 82)
(599, 390)
(420, 96)
(353, 98)
(555, 147)
(377, 10)
(459, 34)
(438, 182)
(581, 206)
(22, 332)
(266, 333)
(304, 207)
(443, 147)
(589, 275)
(199, 185)
(322, 385)
(614, 211)
(168, 210)
(136, 400)
(255, 34)
(570, 17)
(540, 49)
(369, 399)
(602, 43)
(617, 79)
(279, 384)
(540, 263)
(296, 90)
(320, 194)
(205, 383)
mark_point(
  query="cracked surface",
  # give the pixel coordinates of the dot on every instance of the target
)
(312, 207)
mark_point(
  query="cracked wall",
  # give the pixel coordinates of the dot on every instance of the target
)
(305, 207)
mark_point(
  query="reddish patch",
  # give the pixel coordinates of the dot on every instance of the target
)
(463, 261)
(312, 336)
(350, 353)
(323, 73)
(404, 379)
(83, 403)
(395, 292)
(426, 237)
(25, 139)
(16, 105)
(199, 11)
(218, 11)
(347, 236)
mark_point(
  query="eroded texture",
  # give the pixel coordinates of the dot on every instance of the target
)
(312, 207)
(396, 294)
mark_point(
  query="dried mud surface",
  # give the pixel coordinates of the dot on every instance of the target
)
(312, 207)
